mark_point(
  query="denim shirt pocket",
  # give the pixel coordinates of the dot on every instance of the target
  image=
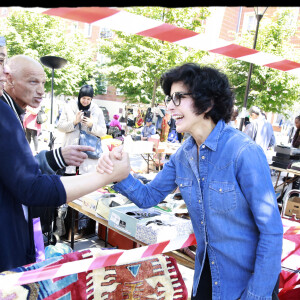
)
(185, 187)
(222, 196)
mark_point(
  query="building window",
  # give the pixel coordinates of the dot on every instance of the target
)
(88, 30)
(105, 33)
(105, 87)
(249, 23)
(119, 92)
(74, 27)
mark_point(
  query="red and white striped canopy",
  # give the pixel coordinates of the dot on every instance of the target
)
(121, 20)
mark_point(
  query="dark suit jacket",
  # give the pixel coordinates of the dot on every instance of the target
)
(22, 185)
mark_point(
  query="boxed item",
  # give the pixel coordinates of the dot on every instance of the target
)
(106, 201)
(162, 228)
(89, 201)
(99, 202)
(293, 207)
(126, 217)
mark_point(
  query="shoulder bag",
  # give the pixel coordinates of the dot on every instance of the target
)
(87, 139)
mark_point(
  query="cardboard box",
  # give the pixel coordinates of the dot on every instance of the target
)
(100, 203)
(90, 201)
(125, 218)
(293, 207)
(106, 201)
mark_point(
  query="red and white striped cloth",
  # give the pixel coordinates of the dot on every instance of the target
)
(117, 19)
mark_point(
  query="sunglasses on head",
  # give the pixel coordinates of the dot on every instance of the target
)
(176, 98)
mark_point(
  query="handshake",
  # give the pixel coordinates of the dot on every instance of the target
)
(115, 163)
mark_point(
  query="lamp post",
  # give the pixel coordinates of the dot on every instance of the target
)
(259, 13)
(52, 62)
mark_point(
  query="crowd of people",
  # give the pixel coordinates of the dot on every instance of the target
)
(221, 172)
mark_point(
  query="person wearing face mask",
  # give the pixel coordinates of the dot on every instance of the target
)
(224, 179)
(81, 114)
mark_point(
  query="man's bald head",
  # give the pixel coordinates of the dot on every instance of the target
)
(21, 63)
(25, 80)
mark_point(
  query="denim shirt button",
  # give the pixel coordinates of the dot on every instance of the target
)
(203, 157)
(203, 146)
(212, 262)
(216, 282)
(202, 222)
(203, 178)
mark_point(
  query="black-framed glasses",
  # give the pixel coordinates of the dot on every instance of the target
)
(176, 98)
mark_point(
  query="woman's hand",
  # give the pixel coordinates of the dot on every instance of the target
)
(105, 162)
(78, 118)
(87, 122)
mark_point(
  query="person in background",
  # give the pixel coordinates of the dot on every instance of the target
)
(260, 130)
(165, 128)
(225, 181)
(233, 121)
(139, 120)
(32, 128)
(115, 126)
(296, 138)
(148, 130)
(81, 114)
(22, 184)
(247, 121)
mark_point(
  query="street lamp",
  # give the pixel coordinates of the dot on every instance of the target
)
(52, 62)
(259, 13)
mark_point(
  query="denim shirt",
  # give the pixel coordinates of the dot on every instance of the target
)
(229, 194)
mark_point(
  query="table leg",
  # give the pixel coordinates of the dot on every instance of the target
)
(72, 227)
(275, 187)
(106, 237)
(284, 185)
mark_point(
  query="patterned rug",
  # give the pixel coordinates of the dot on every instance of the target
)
(156, 277)
(289, 285)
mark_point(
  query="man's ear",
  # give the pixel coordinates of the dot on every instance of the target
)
(9, 80)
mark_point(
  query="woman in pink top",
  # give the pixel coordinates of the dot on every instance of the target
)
(115, 122)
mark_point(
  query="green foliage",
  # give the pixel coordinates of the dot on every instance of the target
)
(272, 90)
(136, 63)
(38, 35)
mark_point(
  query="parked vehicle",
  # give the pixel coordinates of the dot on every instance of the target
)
(106, 114)
(106, 117)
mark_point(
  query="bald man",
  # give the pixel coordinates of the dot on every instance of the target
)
(22, 185)
(25, 87)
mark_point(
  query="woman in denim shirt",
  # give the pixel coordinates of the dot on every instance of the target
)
(225, 181)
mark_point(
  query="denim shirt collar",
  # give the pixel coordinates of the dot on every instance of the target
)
(212, 140)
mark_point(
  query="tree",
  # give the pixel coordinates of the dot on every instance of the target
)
(136, 63)
(40, 35)
(272, 90)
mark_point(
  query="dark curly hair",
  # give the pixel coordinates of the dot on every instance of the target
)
(209, 88)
